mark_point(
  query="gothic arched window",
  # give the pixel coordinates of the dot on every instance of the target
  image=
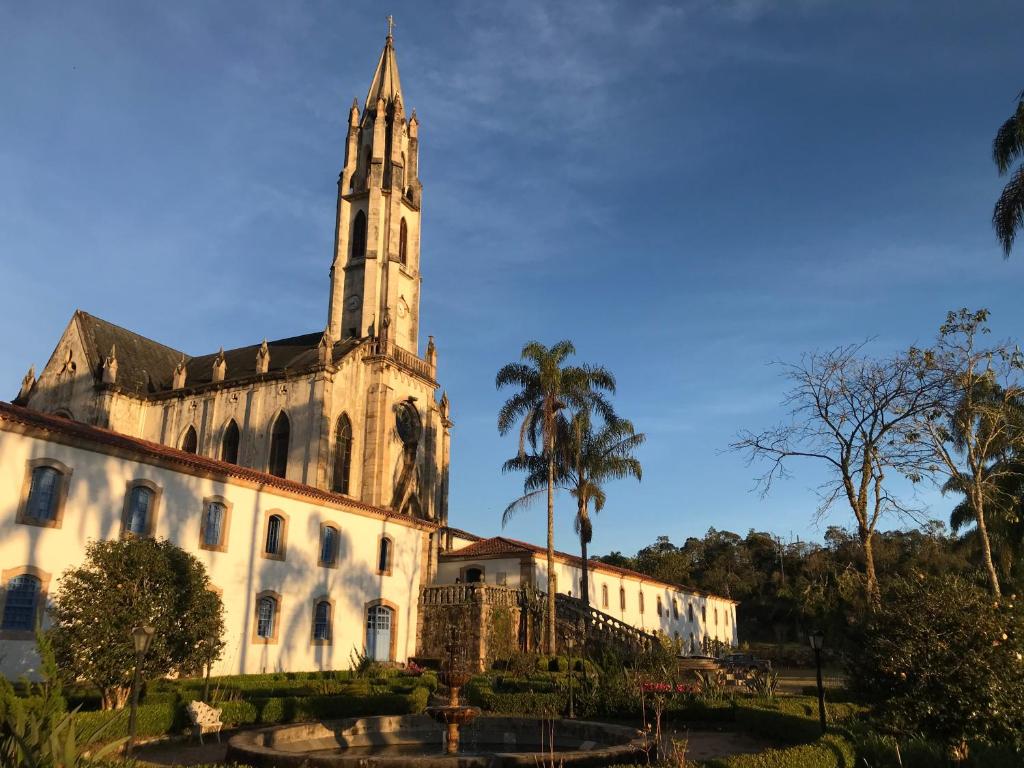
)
(403, 239)
(190, 441)
(604, 595)
(622, 598)
(229, 443)
(278, 464)
(342, 454)
(359, 236)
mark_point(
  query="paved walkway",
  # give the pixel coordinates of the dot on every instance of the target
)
(181, 752)
(705, 745)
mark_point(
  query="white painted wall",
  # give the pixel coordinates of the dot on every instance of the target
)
(93, 511)
(688, 632)
(504, 570)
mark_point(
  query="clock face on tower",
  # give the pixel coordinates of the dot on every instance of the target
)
(352, 302)
(407, 422)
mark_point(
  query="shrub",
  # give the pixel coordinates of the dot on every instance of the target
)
(943, 659)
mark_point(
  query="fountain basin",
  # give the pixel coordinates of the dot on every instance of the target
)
(416, 740)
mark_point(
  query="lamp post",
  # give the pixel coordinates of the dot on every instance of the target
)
(142, 637)
(817, 641)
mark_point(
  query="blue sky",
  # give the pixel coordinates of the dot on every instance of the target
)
(689, 191)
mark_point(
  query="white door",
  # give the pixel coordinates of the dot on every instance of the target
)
(378, 633)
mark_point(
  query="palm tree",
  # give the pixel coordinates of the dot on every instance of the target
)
(548, 387)
(587, 459)
(1008, 148)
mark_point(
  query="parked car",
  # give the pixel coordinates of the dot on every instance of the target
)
(746, 662)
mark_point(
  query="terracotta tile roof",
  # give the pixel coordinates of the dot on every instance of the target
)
(500, 545)
(458, 532)
(108, 441)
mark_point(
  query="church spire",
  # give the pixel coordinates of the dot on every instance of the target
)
(385, 84)
(375, 270)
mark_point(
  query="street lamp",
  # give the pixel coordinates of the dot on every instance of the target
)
(817, 641)
(142, 637)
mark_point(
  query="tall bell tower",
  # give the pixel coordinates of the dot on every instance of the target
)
(375, 274)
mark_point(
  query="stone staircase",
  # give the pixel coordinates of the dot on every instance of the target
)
(574, 617)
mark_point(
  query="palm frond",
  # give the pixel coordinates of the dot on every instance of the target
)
(520, 504)
(1008, 214)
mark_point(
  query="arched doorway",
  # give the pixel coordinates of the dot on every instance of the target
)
(379, 625)
(474, 575)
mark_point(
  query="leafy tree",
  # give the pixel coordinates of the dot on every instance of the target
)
(124, 584)
(547, 389)
(1007, 149)
(587, 459)
(978, 424)
(848, 412)
(942, 659)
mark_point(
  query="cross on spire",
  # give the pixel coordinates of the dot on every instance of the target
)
(391, 24)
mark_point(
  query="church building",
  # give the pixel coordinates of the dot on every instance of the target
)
(309, 474)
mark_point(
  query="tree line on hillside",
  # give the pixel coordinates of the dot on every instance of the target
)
(789, 589)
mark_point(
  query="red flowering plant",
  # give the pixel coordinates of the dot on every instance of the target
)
(412, 669)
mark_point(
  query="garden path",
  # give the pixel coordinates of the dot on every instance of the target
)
(180, 752)
(705, 745)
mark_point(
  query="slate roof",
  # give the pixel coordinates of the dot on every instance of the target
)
(146, 367)
(499, 545)
(75, 432)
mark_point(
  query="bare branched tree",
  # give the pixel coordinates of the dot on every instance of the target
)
(977, 428)
(848, 412)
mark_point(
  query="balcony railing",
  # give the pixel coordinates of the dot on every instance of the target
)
(388, 350)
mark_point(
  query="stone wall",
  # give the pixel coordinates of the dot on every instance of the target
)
(487, 621)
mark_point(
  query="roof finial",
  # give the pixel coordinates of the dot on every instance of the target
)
(391, 25)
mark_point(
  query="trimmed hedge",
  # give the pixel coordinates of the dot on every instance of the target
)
(164, 718)
(829, 751)
(151, 720)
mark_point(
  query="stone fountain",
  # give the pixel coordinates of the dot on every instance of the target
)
(454, 674)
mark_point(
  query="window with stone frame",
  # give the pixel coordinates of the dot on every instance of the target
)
(266, 617)
(21, 604)
(384, 555)
(322, 621)
(44, 492)
(141, 504)
(213, 528)
(330, 538)
(342, 455)
(190, 440)
(229, 443)
(274, 542)
(403, 238)
(280, 436)
(359, 234)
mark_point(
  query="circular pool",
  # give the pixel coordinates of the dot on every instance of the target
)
(417, 740)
